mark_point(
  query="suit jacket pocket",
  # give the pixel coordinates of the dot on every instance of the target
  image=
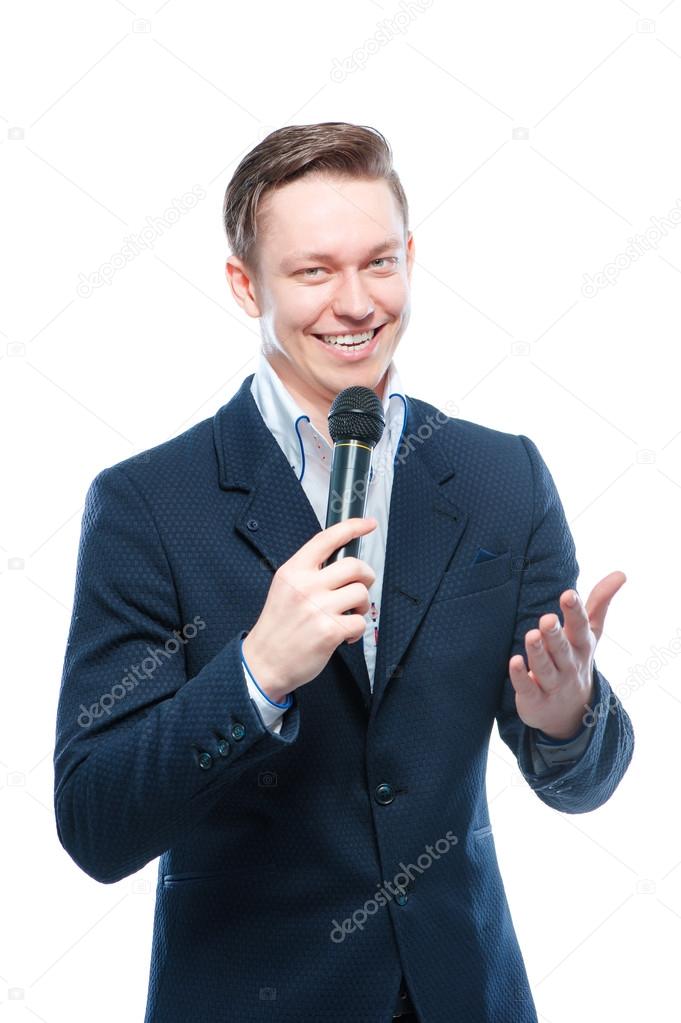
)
(230, 877)
(175, 880)
(462, 581)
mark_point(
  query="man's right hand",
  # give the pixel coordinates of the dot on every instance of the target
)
(302, 620)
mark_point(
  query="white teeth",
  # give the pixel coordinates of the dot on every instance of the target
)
(348, 339)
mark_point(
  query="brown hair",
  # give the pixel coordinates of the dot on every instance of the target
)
(349, 150)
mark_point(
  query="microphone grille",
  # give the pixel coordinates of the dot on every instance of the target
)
(356, 413)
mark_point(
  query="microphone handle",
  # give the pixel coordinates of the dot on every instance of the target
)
(348, 491)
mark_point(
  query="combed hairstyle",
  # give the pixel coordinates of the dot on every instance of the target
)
(336, 147)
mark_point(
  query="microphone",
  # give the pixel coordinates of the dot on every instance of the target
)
(356, 424)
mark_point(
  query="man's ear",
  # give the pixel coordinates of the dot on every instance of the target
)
(242, 281)
(411, 253)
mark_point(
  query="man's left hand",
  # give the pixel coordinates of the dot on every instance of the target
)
(556, 692)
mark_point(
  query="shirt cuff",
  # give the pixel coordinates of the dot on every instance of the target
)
(557, 752)
(550, 740)
(272, 713)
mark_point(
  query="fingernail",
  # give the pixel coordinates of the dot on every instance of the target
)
(572, 599)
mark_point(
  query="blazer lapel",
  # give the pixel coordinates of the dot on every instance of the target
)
(424, 526)
(278, 518)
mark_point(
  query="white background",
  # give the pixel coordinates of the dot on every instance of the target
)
(533, 141)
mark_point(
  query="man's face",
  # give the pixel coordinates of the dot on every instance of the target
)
(331, 261)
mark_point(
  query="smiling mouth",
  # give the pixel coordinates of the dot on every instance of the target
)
(356, 340)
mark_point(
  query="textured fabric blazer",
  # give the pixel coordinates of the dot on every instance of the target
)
(301, 873)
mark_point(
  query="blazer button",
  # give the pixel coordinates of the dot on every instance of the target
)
(223, 747)
(205, 761)
(252, 524)
(238, 731)
(384, 793)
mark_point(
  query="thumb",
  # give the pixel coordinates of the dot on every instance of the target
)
(599, 599)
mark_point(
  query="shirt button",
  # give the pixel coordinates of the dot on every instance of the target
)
(401, 898)
(238, 731)
(384, 793)
(223, 747)
(205, 761)
(252, 524)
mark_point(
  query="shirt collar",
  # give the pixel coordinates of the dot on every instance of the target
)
(292, 427)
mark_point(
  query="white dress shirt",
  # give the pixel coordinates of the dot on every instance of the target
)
(310, 455)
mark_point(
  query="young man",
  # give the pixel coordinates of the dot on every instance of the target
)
(317, 797)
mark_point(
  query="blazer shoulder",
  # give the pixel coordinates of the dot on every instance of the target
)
(465, 438)
(185, 457)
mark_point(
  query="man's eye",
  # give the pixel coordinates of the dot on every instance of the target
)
(312, 272)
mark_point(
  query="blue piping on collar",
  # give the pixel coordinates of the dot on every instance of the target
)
(300, 441)
(395, 394)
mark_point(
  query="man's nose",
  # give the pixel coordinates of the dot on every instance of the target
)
(352, 298)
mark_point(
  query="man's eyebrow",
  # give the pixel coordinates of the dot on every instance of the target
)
(392, 241)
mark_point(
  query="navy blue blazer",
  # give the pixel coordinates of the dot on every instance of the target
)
(300, 874)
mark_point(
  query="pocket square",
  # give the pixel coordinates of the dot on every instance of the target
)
(484, 555)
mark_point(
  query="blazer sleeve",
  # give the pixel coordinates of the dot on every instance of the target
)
(549, 568)
(142, 752)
